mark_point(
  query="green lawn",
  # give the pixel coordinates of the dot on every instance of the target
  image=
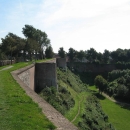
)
(119, 116)
(17, 110)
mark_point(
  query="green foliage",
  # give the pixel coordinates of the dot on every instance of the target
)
(80, 55)
(94, 118)
(106, 56)
(2, 56)
(119, 84)
(61, 52)
(119, 115)
(49, 52)
(91, 115)
(17, 110)
(71, 80)
(12, 44)
(61, 100)
(116, 74)
(36, 40)
(71, 54)
(101, 83)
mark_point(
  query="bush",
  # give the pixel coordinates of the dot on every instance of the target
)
(101, 83)
(94, 118)
(61, 100)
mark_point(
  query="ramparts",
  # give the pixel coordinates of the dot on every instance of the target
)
(6, 62)
(27, 75)
(96, 68)
(45, 75)
(61, 62)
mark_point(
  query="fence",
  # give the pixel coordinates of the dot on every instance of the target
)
(6, 62)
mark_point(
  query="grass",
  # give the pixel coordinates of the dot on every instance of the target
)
(71, 113)
(119, 116)
(17, 110)
(82, 98)
(78, 97)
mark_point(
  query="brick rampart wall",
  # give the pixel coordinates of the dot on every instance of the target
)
(6, 62)
(45, 75)
(61, 62)
(27, 76)
(97, 68)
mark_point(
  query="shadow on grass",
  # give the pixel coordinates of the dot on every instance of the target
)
(99, 96)
(123, 105)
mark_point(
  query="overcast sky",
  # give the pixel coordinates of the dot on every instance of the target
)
(80, 24)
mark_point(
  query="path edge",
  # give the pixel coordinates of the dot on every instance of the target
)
(62, 123)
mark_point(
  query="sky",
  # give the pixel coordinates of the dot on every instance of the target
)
(80, 24)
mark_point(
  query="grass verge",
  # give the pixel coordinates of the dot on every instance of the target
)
(119, 116)
(17, 110)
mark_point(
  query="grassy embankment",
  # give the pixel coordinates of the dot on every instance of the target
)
(119, 116)
(75, 86)
(17, 110)
(81, 95)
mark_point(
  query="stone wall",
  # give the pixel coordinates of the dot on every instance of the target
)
(45, 75)
(96, 68)
(27, 76)
(61, 62)
(6, 62)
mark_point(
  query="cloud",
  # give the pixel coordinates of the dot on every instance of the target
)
(80, 24)
(101, 24)
(75, 9)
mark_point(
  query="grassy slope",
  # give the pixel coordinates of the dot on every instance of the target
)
(118, 115)
(78, 97)
(17, 110)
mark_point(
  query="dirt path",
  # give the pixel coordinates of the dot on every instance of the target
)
(113, 100)
(6, 68)
(78, 110)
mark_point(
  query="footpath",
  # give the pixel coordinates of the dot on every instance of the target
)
(113, 100)
(51, 113)
(6, 68)
(78, 110)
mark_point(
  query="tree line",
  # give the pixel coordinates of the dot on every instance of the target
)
(92, 56)
(117, 84)
(35, 45)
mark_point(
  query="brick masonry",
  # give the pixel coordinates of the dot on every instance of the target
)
(45, 75)
(96, 68)
(27, 76)
(61, 62)
(51, 113)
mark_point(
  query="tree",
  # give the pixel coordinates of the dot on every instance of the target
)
(2, 55)
(71, 54)
(31, 47)
(39, 38)
(120, 55)
(99, 57)
(91, 54)
(12, 44)
(80, 55)
(61, 52)
(106, 55)
(49, 52)
(100, 83)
